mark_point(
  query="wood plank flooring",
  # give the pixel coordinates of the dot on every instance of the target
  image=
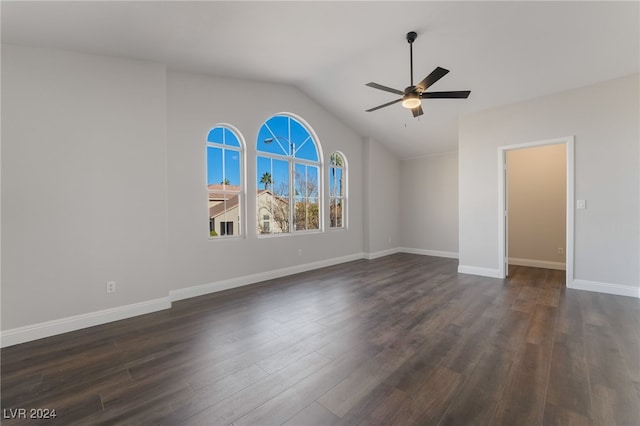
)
(400, 340)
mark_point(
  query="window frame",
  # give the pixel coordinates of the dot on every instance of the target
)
(241, 192)
(345, 189)
(291, 161)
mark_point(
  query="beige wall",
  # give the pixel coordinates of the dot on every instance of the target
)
(381, 218)
(605, 120)
(429, 205)
(537, 205)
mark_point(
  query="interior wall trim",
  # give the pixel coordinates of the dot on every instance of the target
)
(41, 330)
(477, 270)
(435, 253)
(381, 253)
(546, 264)
(608, 288)
(31, 332)
(28, 333)
(200, 290)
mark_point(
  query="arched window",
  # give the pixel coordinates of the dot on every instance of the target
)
(288, 177)
(337, 190)
(224, 182)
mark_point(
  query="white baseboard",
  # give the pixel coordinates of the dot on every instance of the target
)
(476, 270)
(63, 325)
(381, 253)
(616, 289)
(546, 264)
(199, 290)
(28, 333)
(424, 252)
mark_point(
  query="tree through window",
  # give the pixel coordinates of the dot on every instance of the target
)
(337, 191)
(288, 177)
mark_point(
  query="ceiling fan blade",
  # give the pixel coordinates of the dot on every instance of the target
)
(435, 75)
(417, 111)
(460, 94)
(385, 88)
(384, 105)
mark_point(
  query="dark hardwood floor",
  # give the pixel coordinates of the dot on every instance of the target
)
(401, 340)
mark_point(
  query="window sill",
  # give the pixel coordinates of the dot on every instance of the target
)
(225, 238)
(290, 234)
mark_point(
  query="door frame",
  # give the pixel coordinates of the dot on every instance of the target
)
(569, 142)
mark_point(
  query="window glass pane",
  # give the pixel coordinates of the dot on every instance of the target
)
(272, 196)
(335, 182)
(332, 181)
(273, 137)
(313, 213)
(230, 138)
(300, 176)
(307, 214)
(304, 145)
(214, 166)
(332, 213)
(232, 168)
(298, 134)
(269, 142)
(339, 183)
(215, 135)
(279, 125)
(336, 191)
(312, 181)
(300, 213)
(265, 214)
(228, 220)
(264, 175)
(307, 151)
(280, 201)
(280, 173)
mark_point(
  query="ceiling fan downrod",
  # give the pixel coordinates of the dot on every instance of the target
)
(411, 37)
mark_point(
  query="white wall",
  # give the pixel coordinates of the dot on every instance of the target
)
(83, 184)
(537, 194)
(195, 104)
(605, 120)
(103, 178)
(382, 199)
(429, 200)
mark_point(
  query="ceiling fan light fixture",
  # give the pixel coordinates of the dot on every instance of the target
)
(411, 101)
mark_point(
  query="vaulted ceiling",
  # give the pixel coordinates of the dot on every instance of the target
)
(504, 52)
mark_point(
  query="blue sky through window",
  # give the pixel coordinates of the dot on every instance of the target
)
(223, 164)
(282, 135)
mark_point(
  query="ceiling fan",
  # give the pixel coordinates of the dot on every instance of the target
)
(412, 96)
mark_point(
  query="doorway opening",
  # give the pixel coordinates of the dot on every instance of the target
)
(503, 214)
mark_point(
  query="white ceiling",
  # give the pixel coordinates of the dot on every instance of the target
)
(504, 52)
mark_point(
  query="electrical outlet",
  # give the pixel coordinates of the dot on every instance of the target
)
(299, 252)
(560, 250)
(111, 287)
